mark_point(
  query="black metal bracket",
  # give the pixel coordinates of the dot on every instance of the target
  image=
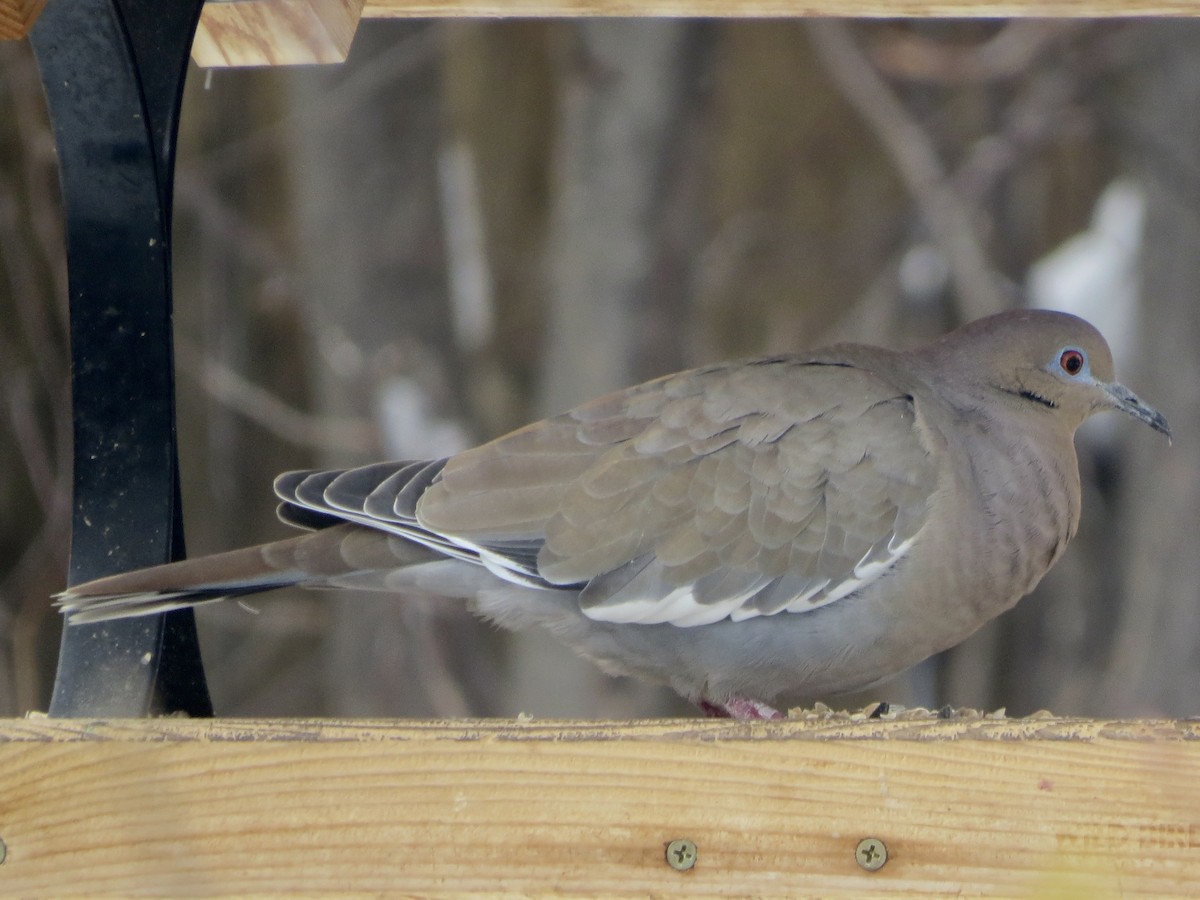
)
(113, 72)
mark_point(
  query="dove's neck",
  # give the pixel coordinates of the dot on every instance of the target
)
(1003, 453)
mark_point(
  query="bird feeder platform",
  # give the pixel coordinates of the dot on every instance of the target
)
(827, 805)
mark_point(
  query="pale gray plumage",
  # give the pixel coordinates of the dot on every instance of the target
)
(788, 527)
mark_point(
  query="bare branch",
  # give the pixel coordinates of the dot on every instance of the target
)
(329, 433)
(948, 218)
(1007, 54)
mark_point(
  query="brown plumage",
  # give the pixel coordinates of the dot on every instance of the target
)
(785, 527)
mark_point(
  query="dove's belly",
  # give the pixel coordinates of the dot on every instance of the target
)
(853, 643)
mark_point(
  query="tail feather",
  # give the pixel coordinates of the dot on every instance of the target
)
(128, 606)
(310, 559)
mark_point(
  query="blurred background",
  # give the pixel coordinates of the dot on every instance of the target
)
(470, 225)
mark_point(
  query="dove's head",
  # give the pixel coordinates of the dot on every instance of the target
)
(1051, 360)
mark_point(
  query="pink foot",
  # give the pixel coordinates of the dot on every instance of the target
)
(741, 708)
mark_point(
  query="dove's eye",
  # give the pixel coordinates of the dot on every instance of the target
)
(1072, 361)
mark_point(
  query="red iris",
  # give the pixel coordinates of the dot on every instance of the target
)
(1071, 362)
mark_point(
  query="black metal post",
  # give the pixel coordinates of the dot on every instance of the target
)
(113, 72)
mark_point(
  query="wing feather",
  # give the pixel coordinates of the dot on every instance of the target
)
(725, 492)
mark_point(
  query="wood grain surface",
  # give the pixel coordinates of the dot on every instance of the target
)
(17, 17)
(985, 807)
(275, 32)
(771, 8)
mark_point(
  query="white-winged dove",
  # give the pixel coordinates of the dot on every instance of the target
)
(789, 527)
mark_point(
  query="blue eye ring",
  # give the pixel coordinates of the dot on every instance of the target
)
(1072, 361)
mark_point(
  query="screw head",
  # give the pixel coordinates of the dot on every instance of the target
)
(871, 853)
(682, 854)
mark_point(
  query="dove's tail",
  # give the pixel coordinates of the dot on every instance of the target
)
(310, 559)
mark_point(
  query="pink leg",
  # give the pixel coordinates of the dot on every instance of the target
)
(741, 708)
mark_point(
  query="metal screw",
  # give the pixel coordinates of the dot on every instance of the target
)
(681, 854)
(3, 851)
(871, 854)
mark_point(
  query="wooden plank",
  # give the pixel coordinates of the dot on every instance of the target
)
(17, 17)
(294, 31)
(275, 32)
(985, 807)
(288, 32)
(890, 9)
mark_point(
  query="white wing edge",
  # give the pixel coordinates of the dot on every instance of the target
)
(679, 607)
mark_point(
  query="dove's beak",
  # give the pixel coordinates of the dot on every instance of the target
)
(1127, 401)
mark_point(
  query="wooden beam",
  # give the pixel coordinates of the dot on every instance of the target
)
(17, 17)
(275, 32)
(287, 32)
(889, 9)
(981, 807)
(278, 32)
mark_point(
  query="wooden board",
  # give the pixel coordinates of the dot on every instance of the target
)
(770, 8)
(981, 807)
(282, 32)
(17, 16)
(275, 32)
